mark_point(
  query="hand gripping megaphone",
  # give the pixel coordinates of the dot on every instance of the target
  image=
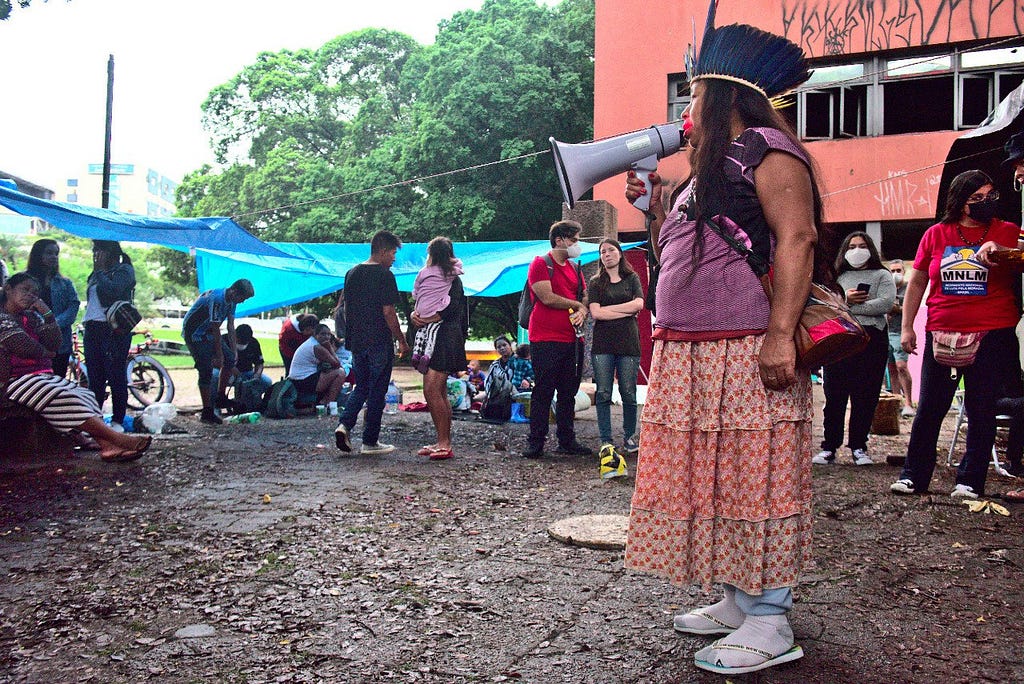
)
(581, 167)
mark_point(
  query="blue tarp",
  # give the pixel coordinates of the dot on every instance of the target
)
(183, 234)
(492, 269)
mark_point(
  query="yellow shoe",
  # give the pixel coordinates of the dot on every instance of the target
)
(613, 464)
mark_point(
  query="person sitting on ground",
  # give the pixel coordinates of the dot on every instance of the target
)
(294, 331)
(498, 388)
(343, 354)
(316, 368)
(476, 377)
(522, 369)
(249, 363)
(201, 331)
(29, 339)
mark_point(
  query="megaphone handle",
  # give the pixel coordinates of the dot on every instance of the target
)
(644, 168)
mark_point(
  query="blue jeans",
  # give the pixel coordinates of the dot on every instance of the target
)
(770, 602)
(106, 360)
(372, 371)
(997, 357)
(606, 366)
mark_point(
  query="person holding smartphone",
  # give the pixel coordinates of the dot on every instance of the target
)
(870, 293)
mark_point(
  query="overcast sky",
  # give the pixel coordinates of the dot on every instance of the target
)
(168, 55)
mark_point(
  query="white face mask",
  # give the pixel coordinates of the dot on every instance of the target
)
(897, 278)
(857, 257)
(574, 250)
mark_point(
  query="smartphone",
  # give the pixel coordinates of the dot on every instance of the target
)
(863, 287)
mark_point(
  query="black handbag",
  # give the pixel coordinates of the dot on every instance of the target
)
(122, 316)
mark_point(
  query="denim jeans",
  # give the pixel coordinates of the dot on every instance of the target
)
(556, 366)
(372, 371)
(996, 359)
(106, 360)
(606, 366)
(770, 602)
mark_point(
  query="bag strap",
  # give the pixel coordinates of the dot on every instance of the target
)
(755, 260)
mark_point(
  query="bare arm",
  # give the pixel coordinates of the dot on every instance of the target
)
(911, 304)
(547, 296)
(783, 187)
(391, 318)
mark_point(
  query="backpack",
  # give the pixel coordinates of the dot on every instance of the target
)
(281, 401)
(497, 404)
(526, 297)
(252, 394)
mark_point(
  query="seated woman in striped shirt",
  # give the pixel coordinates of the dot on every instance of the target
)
(29, 338)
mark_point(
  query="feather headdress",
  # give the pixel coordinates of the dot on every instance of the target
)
(744, 54)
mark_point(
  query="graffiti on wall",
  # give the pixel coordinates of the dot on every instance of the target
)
(900, 196)
(838, 27)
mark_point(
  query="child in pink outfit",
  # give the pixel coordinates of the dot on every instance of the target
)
(431, 294)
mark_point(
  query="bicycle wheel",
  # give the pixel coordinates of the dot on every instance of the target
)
(148, 382)
(76, 373)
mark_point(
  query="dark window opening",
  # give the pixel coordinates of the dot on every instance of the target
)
(975, 102)
(918, 105)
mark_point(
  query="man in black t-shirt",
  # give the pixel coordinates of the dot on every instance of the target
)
(371, 326)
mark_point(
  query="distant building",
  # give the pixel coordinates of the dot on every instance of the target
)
(133, 191)
(16, 223)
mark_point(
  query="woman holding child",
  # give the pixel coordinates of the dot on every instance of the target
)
(443, 321)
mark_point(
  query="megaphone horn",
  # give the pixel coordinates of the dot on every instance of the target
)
(582, 166)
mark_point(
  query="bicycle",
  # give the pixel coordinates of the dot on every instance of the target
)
(148, 380)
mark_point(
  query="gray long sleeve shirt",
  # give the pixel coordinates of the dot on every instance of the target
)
(880, 297)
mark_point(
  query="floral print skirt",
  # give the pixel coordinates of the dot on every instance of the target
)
(723, 483)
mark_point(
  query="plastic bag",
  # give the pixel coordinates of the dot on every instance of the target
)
(155, 416)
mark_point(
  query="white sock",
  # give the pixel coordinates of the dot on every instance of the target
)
(725, 611)
(769, 636)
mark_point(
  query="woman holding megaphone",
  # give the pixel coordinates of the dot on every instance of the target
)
(723, 485)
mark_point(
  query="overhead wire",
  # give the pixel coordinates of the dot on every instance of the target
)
(819, 86)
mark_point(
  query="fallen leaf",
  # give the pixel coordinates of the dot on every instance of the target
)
(266, 498)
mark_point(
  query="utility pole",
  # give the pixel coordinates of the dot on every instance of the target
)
(105, 198)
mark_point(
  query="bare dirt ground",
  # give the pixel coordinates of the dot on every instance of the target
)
(303, 565)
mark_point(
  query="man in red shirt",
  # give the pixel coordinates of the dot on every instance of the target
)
(558, 311)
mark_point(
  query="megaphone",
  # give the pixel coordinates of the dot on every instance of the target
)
(582, 166)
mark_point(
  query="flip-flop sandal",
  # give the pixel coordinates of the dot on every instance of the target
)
(441, 454)
(427, 450)
(794, 653)
(126, 456)
(713, 626)
(1014, 496)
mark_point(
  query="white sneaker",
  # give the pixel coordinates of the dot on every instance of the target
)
(903, 486)
(376, 449)
(962, 491)
(860, 457)
(824, 457)
(908, 412)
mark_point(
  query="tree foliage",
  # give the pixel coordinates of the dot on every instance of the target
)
(361, 134)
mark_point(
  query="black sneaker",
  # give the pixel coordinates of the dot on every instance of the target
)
(574, 449)
(534, 452)
(210, 416)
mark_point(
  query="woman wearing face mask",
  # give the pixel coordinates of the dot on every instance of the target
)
(870, 293)
(966, 296)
